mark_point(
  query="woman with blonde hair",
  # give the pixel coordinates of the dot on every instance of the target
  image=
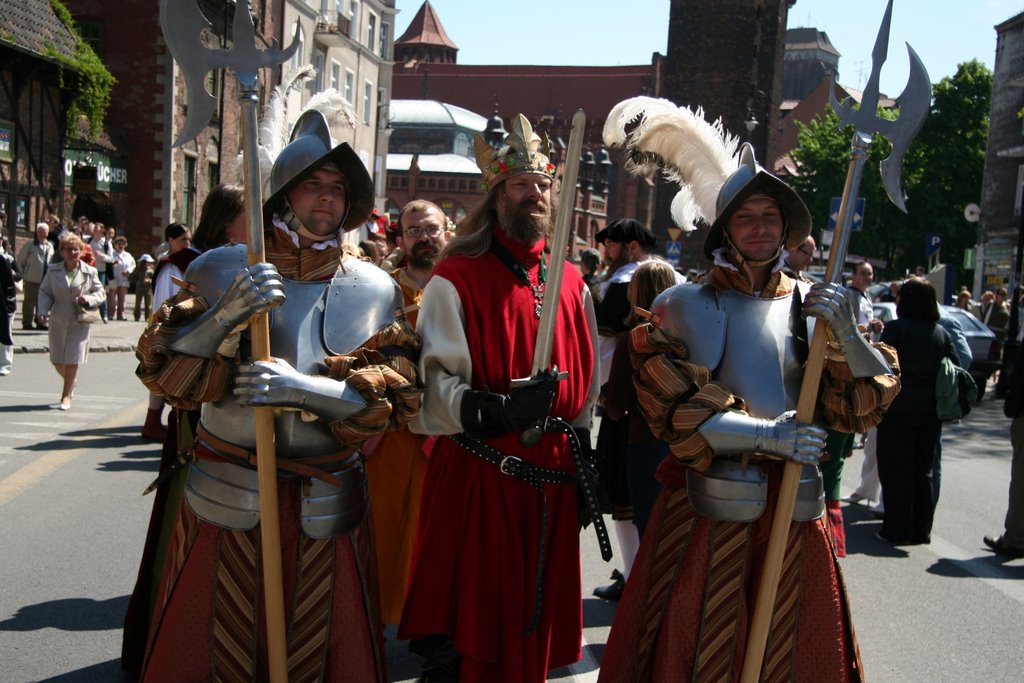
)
(70, 286)
(644, 452)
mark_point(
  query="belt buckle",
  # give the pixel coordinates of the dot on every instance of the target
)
(510, 465)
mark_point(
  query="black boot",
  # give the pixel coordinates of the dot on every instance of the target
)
(612, 591)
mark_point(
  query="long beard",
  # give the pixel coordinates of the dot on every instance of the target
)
(526, 222)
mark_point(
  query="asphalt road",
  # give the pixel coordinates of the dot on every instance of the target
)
(72, 524)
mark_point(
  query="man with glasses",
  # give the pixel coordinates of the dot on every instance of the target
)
(396, 465)
(798, 259)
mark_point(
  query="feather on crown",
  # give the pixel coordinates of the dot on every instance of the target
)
(524, 152)
(697, 155)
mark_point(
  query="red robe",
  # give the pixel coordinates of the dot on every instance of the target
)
(474, 566)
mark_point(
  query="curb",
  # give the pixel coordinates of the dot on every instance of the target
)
(101, 348)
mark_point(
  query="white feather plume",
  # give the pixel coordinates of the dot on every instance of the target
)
(334, 107)
(272, 134)
(697, 155)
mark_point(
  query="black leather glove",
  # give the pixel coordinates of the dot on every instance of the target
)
(486, 415)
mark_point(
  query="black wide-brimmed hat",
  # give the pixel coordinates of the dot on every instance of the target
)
(310, 148)
(627, 230)
(748, 180)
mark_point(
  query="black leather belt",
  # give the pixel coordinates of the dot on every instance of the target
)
(517, 468)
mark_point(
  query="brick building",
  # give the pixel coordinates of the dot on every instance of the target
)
(33, 114)
(1002, 215)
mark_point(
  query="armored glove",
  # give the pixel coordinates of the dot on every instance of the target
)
(486, 415)
(255, 289)
(734, 432)
(829, 302)
(275, 383)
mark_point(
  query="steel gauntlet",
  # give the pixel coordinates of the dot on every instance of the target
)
(734, 432)
(255, 289)
(830, 303)
(275, 383)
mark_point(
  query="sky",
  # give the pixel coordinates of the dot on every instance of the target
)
(944, 33)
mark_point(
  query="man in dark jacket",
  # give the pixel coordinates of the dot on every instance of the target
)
(1011, 542)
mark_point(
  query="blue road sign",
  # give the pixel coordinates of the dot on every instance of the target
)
(672, 251)
(858, 214)
(932, 243)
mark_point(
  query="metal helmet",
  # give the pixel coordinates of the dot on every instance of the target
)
(750, 179)
(311, 148)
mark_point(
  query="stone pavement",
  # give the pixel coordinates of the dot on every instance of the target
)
(112, 336)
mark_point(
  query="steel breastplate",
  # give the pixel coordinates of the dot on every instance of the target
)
(317, 319)
(745, 341)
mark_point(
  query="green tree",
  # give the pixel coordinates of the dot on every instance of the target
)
(942, 173)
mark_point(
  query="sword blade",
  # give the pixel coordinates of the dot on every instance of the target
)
(558, 244)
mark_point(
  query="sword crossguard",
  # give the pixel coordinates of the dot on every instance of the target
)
(183, 23)
(913, 103)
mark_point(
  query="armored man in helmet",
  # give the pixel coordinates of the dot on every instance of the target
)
(343, 370)
(718, 378)
(494, 593)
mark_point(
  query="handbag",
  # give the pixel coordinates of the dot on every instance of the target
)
(955, 391)
(87, 316)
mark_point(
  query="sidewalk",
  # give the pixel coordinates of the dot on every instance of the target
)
(112, 336)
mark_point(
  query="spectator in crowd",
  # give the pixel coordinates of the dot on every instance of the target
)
(8, 305)
(397, 464)
(169, 269)
(1010, 543)
(222, 219)
(627, 244)
(618, 396)
(69, 286)
(590, 262)
(890, 294)
(33, 260)
(143, 277)
(123, 265)
(800, 257)
(909, 430)
(995, 313)
(103, 254)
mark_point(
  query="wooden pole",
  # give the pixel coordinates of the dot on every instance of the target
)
(266, 456)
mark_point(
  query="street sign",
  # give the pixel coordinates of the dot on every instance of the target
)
(932, 243)
(858, 214)
(969, 255)
(673, 250)
(674, 233)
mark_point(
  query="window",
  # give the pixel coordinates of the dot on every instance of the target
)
(188, 191)
(335, 75)
(384, 31)
(298, 59)
(371, 30)
(92, 33)
(353, 19)
(367, 101)
(212, 176)
(350, 86)
(319, 60)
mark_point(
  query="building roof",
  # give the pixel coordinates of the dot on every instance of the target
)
(426, 29)
(534, 91)
(417, 113)
(32, 26)
(433, 163)
(809, 39)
